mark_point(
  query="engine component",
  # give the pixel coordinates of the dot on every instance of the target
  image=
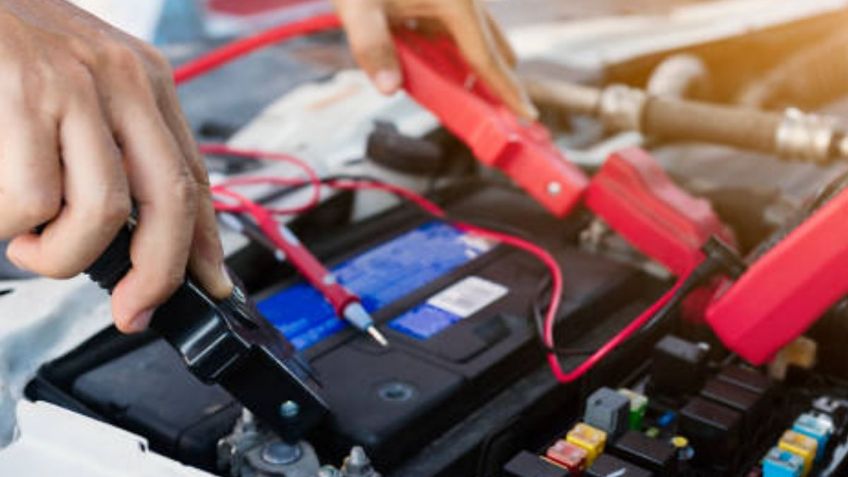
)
(527, 464)
(782, 463)
(678, 366)
(801, 353)
(818, 427)
(801, 445)
(712, 428)
(252, 451)
(654, 454)
(357, 464)
(607, 465)
(746, 378)
(592, 440)
(734, 397)
(679, 76)
(638, 408)
(388, 147)
(608, 411)
(569, 455)
(793, 135)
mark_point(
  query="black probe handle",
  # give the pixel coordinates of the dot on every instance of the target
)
(114, 263)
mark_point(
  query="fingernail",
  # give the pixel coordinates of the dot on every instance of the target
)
(228, 281)
(529, 108)
(141, 321)
(387, 81)
(14, 259)
(532, 112)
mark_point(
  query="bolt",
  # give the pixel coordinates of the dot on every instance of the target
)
(358, 464)
(358, 457)
(554, 188)
(289, 409)
(280, 453)
(329, 471)
(396, 391)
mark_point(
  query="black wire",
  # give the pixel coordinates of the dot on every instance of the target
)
(542, 296)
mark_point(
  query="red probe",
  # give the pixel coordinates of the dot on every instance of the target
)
(346, 304)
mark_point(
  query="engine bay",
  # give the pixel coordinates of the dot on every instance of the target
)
(671, 303)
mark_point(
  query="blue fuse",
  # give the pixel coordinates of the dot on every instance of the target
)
(819, 427)
(666, 419)
(782, 463)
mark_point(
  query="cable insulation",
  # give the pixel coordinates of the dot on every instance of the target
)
(240, 48)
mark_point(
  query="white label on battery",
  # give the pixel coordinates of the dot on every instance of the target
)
(468, 296)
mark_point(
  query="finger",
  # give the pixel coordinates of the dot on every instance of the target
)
(206, 262)
(96, 195)
(370, 38)
(502, 42)
(469, 27)
(30, 172)
(165, 194)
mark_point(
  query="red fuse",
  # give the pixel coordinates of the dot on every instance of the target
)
(568, 455)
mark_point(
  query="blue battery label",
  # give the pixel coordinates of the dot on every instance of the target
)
(380, 276)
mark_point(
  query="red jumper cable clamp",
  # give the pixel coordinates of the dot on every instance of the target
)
(438, 78)
(788, 288)
(635, 197)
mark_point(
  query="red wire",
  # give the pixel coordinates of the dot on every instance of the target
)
(237, 49)
(313, 179)
(609, 346)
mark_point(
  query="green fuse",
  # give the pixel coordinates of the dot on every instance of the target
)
(638, 407)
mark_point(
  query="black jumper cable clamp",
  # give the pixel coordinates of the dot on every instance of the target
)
(227, 342)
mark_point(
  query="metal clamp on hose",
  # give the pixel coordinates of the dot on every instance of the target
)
(807, 137)
(622, 107)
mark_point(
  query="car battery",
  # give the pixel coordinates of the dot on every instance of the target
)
(455, 308)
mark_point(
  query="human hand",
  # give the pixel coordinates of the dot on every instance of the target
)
(90, 126)
(368, 25)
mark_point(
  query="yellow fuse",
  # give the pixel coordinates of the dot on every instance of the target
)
(800, 445)
(589, 438)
